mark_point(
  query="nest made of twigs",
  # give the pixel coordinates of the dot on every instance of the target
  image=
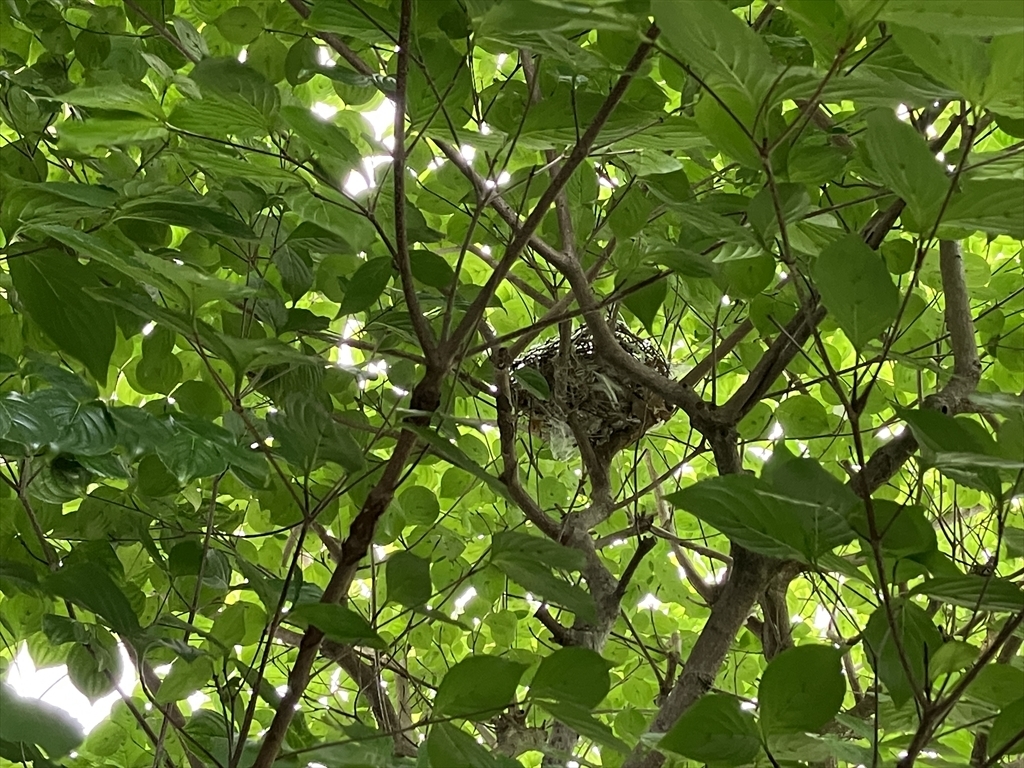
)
(603, 404)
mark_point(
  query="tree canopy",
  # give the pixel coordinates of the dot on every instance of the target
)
(497, 383)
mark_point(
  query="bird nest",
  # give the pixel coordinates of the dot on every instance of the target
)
(586, 395)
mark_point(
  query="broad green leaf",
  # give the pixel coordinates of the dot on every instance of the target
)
(419, 505)
(533, 381)
(920, 640)
(1007, 729)
(645, 302)
(572, 675)
(338, 623)
(903, 530)
(801, 690)
(514, 545)
(856, 289)
(585, 724)
(978, 17)
(95, 668)
(29, 721)
(997, 684)
(477, 687)
(450, 746)
(365, 287)
(90, 586)
(458, 458)
(431, 269)
(977, 593)
(718, 45)
(714, 730)
(239, 25)
(98, 132)
(50, 286)
(988, 205)
(902, 159)
(751, 513)
(185, 678)
(957, 447)
(408, 578)
(308, 436)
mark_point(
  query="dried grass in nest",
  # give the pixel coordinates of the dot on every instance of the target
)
(606, 406)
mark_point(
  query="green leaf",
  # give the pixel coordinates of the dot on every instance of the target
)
(104, 132)
(365, 287)
(904, 530)
(645, 302)
(457, 457)
(28, 721)
(585, 724)
(308, 436)
(431, 269)
(978, 17)
(978, 593)
(714, 730)
(986, 205)
(451, 747)
(90, 586)
(997, 684)
(801, 690)
(96, 668)
(185, 678)
(198, 215)
(1007, 728)
(50, 286)
(533, 381)
(957, 447)
(718, 45)
(749, 512)
(239, 25)
(478, 687)
(325, 139)
(570, 675)
(419, 505)
(408, 579)
(338, 623)
(901, 157)
(920, 640)
(856, 289)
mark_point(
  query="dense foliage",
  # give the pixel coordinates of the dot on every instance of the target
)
(266, 440)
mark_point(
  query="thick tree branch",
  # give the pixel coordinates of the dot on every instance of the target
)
(420, 323)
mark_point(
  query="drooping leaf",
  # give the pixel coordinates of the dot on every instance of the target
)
(408, 578)
(801, 690)
(920, 640)
(90, 586)
(1005, 736)
(338, 623)
(477, 687)
(974, 592)
(902, 158)
(714, 730)
(366, 286)
(572, 675)
(51, 286)
(856, 289)
(28, 721)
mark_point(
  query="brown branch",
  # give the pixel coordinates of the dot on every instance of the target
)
(335, 42)
(368, 681)
(579, 153)
(162, 30)
(959, 323)
(425, 400)
(420, 323)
